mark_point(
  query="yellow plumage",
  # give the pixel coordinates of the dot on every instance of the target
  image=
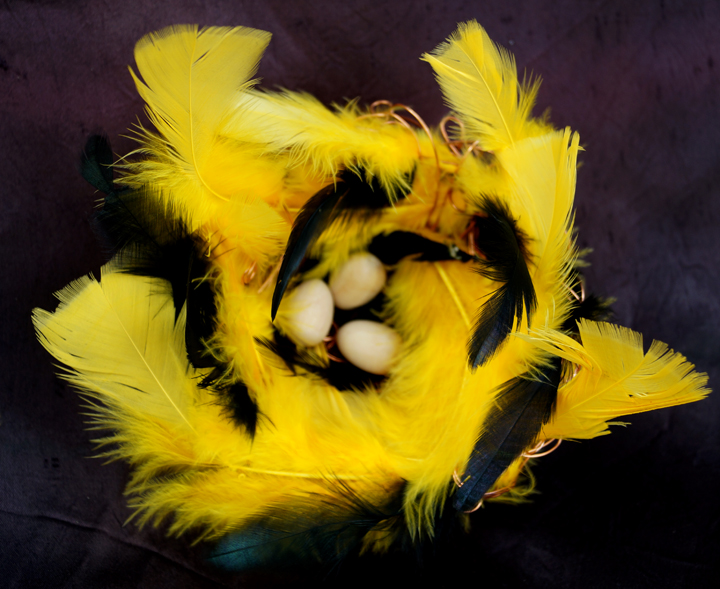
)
(479, 81)
(236, 165)
(617, 378)
(120, 338)
(190, 79)
(326, 141)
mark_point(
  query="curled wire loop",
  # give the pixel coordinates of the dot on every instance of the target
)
(330, 342)
(249, 274)
(390, 111)
(537, 451)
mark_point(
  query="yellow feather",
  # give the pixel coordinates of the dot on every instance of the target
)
(617, 378)
(536, 177)
(543, 171)
(479, 81)
(477, 176)
(120, 342)
(327, 141)
(190, 80)
(123, 349)
(433, 406)
(249, 225)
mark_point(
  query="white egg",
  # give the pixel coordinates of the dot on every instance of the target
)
(369, 345)
(307, 314)
(357, 281)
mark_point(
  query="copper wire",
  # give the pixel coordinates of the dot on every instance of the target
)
(390, 112)
(271, 276)
(471, 244)
(474, 509)
(572, 292)
(536, 451)
(249, 274)
(452, 144)
(374, 105)
(397, 119)
(456, 478)
(330, 342)
(470, 234)
(469, 150)
(455, 145)
(578, 297)
(490, 495)
(387, 109)
(425, 128)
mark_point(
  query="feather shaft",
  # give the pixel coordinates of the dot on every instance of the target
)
(479, 82)
(190, 79)
(453, 293)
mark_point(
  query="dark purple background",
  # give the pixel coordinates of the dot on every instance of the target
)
(639, 508)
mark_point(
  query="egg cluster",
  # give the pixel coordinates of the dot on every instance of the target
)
(369, 345)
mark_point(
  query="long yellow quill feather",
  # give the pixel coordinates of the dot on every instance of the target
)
(190, 82)
(479, 81)
(616, 378)
(121, 345)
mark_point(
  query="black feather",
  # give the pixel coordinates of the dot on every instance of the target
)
(522, 406)
(316, 530)
(146, 240)
(96, 164)
(436, 544)
(201, 313)
(349, 195)
(232, 394)
(240, 407)
(505, 262)
(591, 307)
(392, 247)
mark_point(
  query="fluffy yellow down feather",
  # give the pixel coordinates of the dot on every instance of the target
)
(236, 164)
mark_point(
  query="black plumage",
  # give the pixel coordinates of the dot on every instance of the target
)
(96, 164)
(591, 307)
(505, 252)
(145, 239)
(392, 247)
(319, 530)
(240, 406)
(520, 409)
(349, 195)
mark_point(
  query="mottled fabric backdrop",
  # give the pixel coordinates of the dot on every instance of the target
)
(638, 508)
